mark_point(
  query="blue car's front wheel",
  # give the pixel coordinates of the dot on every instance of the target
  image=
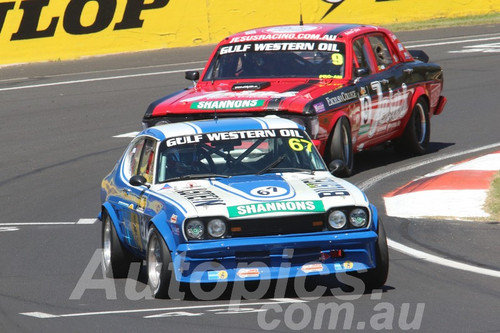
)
(376, 277)
(158, 262)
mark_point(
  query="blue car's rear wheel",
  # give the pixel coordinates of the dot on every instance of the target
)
(158, 262)
(115, 259)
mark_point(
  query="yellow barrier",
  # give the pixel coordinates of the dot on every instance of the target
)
(51, 30)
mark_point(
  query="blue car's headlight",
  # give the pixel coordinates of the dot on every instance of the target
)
(337, 219)
(348, 218)
(216, 228)
(195, 229)
(358, 218)
(206, 228)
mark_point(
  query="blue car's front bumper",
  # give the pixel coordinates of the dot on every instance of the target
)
(274, 257)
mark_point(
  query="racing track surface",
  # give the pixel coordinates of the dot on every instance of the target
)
(56, 132)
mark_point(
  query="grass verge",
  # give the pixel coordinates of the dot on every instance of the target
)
(492, 18)
(492, 204)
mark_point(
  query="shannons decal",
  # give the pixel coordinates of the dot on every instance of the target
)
(229, 104)
(248, 94)
(275, 207)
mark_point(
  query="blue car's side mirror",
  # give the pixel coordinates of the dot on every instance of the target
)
(138, 180)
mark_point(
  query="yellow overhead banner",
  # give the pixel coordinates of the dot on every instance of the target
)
(51, 30)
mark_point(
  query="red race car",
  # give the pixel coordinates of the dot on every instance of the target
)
(351, 86)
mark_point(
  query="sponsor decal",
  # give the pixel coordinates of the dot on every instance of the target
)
(142, 203)
(376, 115)
(248, 272)
(280, 46)
(276, 207)
(309, 268)
(351, 31)
(136, 229)
(71, 20)
(329, 76)
(343, 97)
(348, 264)
(319, 107)
(250, 86)
(156, 206)
(217, 275)
(282, 36)
(292, 28)
(173, 218)
(326, 187)
(201, 197)
(228, 104)
(233, 135)
(337, 266)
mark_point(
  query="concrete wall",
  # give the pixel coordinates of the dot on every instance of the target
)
(51, 30)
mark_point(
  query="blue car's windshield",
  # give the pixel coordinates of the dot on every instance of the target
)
(226, 154)
(278, 59)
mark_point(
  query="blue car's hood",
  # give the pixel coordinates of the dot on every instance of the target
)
(269, 194)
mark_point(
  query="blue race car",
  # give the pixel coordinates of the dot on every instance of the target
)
(235, 199)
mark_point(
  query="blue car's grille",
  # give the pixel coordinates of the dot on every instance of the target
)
(278, 225)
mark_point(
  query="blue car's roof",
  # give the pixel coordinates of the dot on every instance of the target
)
(220, 125)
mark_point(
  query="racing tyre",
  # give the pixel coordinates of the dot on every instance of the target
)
(376, 277)
(115, 259)
(415, 138)
(158, 262)
(340, 147)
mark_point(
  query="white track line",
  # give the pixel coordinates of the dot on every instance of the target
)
(454, 42)
(441, 261)
(43, 315)
(420, 254)
(119, 77)
(22, 224)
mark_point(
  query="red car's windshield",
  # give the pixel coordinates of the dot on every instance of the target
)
(278, 59)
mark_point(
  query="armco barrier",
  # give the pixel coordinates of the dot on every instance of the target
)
(51, 30)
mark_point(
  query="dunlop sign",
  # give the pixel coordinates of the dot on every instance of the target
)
(30, 27)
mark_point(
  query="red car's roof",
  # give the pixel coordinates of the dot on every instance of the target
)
(319, 31)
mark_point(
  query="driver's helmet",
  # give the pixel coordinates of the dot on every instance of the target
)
(183, 161)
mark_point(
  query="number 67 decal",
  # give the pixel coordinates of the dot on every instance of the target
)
(300, 144)
(266, 191)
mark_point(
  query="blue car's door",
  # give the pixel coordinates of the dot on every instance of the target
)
(133, 199)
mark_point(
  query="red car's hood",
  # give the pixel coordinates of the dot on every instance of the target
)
(264, 95)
